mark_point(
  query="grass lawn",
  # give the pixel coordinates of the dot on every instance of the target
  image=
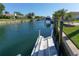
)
(76, 21)
(73, 34)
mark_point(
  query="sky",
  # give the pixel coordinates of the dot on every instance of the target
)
(40, 9)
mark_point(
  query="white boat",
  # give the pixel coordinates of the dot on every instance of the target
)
(48, 22)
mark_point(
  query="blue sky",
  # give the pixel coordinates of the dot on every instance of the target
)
(44, 9)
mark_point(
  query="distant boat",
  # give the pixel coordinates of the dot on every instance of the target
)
(48, 20)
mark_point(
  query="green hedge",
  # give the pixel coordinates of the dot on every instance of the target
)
(4, 17)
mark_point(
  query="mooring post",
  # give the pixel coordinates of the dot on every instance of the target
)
(39, 33)
(60, 37)
(55, 27)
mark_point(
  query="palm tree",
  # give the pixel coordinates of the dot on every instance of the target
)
(60, 14)
(56, 15)
(31, 16)
(2, 7)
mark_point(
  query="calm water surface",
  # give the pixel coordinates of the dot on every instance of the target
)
(20, 38)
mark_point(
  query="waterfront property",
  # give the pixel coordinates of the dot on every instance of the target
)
(75, 15)
(19, 28)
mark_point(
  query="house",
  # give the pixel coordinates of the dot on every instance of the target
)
(75, 15)
(8, 14)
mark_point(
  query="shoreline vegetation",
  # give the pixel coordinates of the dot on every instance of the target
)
(12, 21)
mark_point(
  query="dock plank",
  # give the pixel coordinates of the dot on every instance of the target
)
(37, 46)
(45, 47)
(51, 47)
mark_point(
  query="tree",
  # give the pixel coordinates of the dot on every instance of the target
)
(6, 12)
(56, 15)
(69, 17)
(2, 7)
(60, 14)
(39, 18)
(31, 16)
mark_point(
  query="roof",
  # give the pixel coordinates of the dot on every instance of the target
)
(8, 14)
(75, 13)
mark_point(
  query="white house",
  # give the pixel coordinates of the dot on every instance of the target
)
(75, 15)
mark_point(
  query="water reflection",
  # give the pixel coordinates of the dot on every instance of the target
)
(20, 38)
(2, 31)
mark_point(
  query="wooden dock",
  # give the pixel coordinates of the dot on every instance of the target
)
(44, 47)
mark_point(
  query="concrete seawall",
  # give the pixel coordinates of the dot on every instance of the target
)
(12, 21)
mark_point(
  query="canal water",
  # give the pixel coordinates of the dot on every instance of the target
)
(20, 38)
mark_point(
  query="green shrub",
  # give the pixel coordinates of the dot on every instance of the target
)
(4, 17)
